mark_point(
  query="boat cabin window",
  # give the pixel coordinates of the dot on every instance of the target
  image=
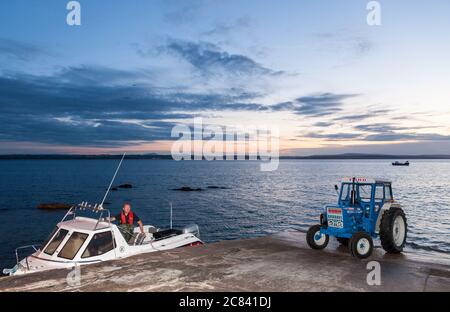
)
(73, 245)
(49, 238)
(56, 241)
(100, 243)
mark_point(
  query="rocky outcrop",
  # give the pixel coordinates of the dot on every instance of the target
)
(54, 206)
(188, 189)
(125, 186)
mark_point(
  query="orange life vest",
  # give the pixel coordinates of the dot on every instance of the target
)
(130, 218)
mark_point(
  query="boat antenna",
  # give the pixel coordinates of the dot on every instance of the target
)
(112, 181)
(170, 215)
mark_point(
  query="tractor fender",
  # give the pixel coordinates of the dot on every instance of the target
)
(383, 209)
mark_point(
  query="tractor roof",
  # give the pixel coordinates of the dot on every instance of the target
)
(365, 180)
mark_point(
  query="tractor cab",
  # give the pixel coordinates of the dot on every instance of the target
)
(365, 194)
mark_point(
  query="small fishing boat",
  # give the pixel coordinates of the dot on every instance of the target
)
(397, 163)
(81, 240)
(85, 235)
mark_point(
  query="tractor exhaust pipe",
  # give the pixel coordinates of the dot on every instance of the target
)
(353, 192)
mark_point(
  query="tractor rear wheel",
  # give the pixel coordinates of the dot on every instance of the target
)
(315, 239)
(361, 245)
(393, 230)
(343, 241)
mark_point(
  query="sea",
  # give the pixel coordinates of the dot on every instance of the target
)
(245, 201)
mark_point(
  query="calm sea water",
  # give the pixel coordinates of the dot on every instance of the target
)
(256, 203)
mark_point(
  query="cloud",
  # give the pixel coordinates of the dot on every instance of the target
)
(104, 107)
(330, 136)
(76, 131)
(13, 49)
(225, 28)
(362, 46)
(358, 117)
(98, 75)
(380, 127)
(389, 136)
(317, 105)
(96, 106)
(393, 136)
(209, 59)
(180, 12)
(344, 42)
(323, 124)
(353, 117)
(389, 132)
(391, 148)
(376, 132)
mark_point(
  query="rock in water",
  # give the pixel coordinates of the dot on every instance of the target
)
(188, 189)
(54, 206)
(126, 186)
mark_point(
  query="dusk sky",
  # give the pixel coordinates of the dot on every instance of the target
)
(133, 69)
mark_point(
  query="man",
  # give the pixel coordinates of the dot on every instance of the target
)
(127, 219)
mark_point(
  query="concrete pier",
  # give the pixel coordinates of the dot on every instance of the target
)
(281, 262)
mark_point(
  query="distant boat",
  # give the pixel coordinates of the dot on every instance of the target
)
(397, 163)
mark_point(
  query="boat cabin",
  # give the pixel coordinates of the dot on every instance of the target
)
(80, 239)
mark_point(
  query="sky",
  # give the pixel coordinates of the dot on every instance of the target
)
(134, 69)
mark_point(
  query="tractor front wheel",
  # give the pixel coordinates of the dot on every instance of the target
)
(393, 230)
(361, 245)
(315, 239)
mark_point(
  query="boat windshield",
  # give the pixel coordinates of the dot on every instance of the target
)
(49, 238)
(56, 241)
(73, 245)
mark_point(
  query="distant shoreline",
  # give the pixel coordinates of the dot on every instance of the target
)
(169, 157)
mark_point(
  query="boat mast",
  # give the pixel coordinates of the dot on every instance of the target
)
(112, 181)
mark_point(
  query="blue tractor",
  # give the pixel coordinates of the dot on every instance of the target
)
(365, 210)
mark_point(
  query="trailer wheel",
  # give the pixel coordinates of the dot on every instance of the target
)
(361, 245)
(343, 241)
(315, 239)
(393, 230)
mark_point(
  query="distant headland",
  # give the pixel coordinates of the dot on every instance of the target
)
(169, 157)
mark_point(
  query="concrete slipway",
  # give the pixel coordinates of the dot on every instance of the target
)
(282, 262)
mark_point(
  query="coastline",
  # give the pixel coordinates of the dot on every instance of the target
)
(347, 156)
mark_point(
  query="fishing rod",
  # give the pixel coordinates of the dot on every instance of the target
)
(112, 180)
(170, 215)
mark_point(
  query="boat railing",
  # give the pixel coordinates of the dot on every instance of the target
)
(34, 246)
(85, 206)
